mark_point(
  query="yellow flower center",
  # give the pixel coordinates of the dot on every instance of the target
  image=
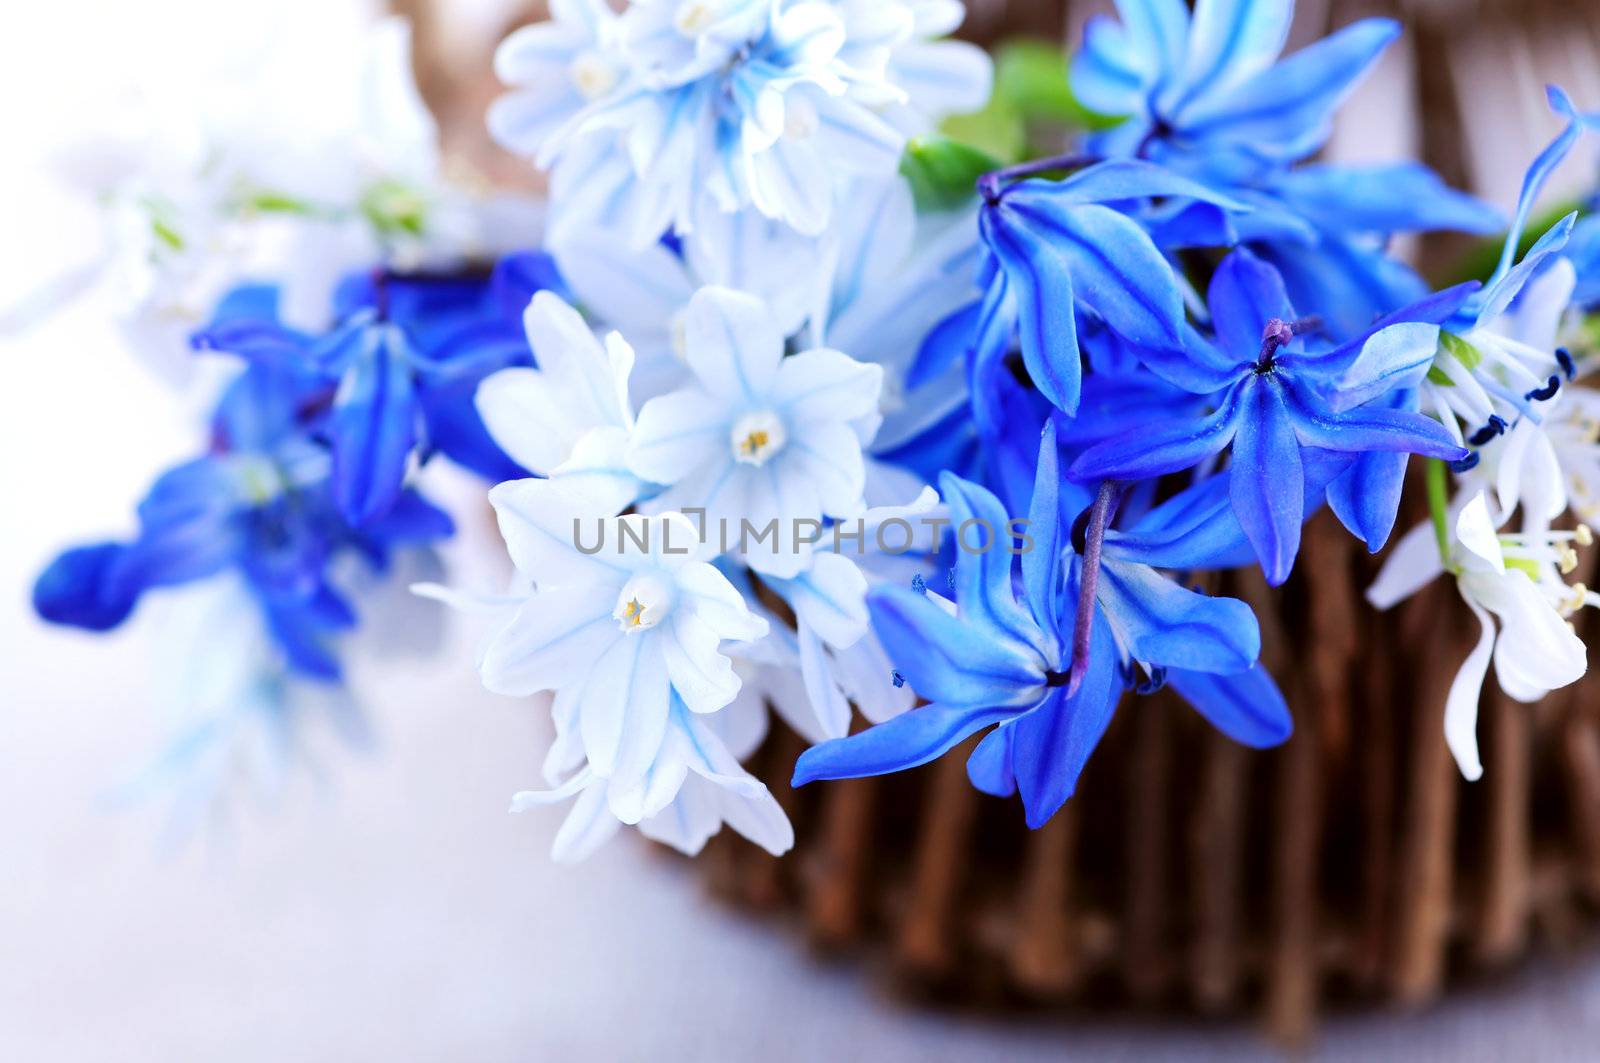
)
(756, 437)
(694, 18)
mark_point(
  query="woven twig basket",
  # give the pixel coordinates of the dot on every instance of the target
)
(1189, 873)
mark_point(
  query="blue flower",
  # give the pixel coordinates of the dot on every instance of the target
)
(1005, 656)
(1583, 248)
(1055, 251)
(1273, 401)
(1339, 268)
(258, 505)
(1208, 95)
(401, 370)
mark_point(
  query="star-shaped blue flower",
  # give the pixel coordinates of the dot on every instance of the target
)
(1055, 252)
(401, 369)
(1207, 94)
(259, 505)
(1273, 401)
(1004, 657)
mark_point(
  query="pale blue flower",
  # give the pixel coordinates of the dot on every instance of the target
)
(692, 787)
(570, 418)
(722, 105)
(759, 437)
(554, 68)
(627, 619)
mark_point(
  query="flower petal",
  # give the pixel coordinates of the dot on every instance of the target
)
(732, 343)
(1247, 706)
(906, 741)
(1268, 480)
(373, 428)
(1245, 294)
(1154, 450)
(623, 710)
(822, 384)
(1166, 624)
(1051, 743)
(674, 435)
(985, 594)
(1040, 281)
(1461, 705)
(950, 661)
(550, 642)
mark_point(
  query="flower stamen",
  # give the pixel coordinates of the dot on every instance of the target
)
(756, 437)
(1100, 513)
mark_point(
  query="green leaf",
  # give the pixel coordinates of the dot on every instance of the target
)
(944, 172)
(167, 234)
(265, 201)
(997, 131)
(1479, 263)
(1032, 76)
(395, 208)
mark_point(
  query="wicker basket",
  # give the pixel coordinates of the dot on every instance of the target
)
(1189, 873)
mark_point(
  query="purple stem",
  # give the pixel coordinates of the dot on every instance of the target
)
(1105, 504)
(989, 183)
(380, 292)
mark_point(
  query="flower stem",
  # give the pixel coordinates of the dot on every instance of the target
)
(1100, 513)
(989, 183)
(1439, 506)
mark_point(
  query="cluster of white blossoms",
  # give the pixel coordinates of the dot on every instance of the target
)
(675, 110)
(645, 622)
(1505, 383)
(751, 375)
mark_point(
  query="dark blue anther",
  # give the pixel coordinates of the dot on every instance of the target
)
(898, 679)
(1549, 390)
(1154, 682)
(1564, 359)
(1465, 464)
(1483, 435)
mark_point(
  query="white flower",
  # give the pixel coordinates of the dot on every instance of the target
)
(674, 41)
(619, 625)
(570, 418)
(937, 77)
(678, 109)
(1573, 431)
(760, 439)
(1513, 579)
(644, 291)
(692, 787)
(840, 659)
(890, 277)
(554, 68)
(1496, 385)
(241, 723)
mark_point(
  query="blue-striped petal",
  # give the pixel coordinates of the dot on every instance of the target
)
(1247, 706)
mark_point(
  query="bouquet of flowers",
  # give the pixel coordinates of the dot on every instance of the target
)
(845, 378)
